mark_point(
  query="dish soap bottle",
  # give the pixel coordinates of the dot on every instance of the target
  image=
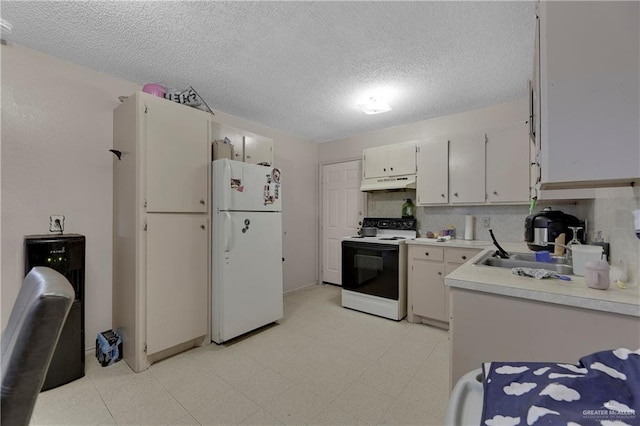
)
(408, 208)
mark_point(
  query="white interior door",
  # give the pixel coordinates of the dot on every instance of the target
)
(342, 212)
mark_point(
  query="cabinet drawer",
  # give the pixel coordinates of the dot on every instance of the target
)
(425, 252)
(459, 255)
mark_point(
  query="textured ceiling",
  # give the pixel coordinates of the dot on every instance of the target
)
(300, 67)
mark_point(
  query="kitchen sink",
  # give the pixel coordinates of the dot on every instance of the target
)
(527, 260)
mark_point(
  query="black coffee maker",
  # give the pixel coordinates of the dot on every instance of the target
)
(544, 227)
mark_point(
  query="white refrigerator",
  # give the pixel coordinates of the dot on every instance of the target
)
(246, 288)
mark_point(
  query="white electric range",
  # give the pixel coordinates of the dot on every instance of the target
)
(374, 269)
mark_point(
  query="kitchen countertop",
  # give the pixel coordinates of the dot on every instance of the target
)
(452, 243)
(575, 293)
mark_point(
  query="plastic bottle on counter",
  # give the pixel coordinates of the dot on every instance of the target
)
(408, 208)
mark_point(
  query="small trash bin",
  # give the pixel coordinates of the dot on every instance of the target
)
(108, 347)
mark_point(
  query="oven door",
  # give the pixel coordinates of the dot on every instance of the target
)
(370, 268)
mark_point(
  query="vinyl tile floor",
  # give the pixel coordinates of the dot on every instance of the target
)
(321, 365)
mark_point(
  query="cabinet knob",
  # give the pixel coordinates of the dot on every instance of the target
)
(384, 170)
(440, 273)
(442, 195)
(391, 168)
(202, 202)
(495, 192)
(464, 257)
(202, 227)
(455, 195)
(426, 253)
(248, 156)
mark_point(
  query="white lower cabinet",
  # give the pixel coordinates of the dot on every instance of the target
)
(177, 285)
(428, 297)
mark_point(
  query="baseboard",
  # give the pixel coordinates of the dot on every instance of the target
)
(300, 288)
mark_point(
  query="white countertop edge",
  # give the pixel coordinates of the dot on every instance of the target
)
(458, 243)
(559, 299)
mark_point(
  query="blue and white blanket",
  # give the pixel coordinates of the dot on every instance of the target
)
(602, 389)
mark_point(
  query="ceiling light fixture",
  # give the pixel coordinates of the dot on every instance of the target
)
(374, 105)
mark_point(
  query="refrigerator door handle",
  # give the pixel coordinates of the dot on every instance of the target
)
(226, 182)
(227, 233)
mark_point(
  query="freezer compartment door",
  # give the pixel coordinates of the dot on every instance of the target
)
(247, 273)
(246, 187)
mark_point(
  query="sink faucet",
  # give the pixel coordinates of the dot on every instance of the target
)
(568, 253)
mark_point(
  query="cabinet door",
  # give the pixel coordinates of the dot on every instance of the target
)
(177, 157)
(589, 67)
(222, 132)
(508, 165)
(258, 150)
(401, 160)
(374, 162)
(432, 179)
(427, 289)
(467, 169)
(177, 279)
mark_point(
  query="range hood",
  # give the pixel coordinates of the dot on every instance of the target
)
(391, 182)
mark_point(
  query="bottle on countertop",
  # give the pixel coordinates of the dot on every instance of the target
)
(599, 241)
(408, 208)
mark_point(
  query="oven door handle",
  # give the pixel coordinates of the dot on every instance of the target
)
(370, 246)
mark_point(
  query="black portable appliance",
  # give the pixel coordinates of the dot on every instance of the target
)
(65, 254)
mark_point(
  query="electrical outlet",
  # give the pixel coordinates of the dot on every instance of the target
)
(486, 222)
(56, 223)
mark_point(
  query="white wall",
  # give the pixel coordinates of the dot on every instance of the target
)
(480, 119)
(57, 120)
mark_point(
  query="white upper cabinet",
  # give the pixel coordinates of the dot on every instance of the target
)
(432, 179)
(588, 93)
(258, 149)
(248, 147)
(177, 157)
(467, 169)
(508, 165)
(389, 160)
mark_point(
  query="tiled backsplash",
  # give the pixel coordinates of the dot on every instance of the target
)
(610, 213)
(507, 222)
